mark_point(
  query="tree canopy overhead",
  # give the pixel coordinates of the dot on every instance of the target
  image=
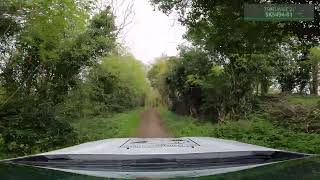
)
(219, 25)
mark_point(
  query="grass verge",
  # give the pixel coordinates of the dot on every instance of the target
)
(256, 130)
(103, 127)
(303, 100)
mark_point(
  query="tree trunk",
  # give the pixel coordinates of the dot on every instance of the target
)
(264, 87)
(315, 78)
(257, 89)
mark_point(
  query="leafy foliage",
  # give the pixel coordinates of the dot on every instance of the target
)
(43, 57)
(157, 76)
(32, 126)
(219, 23)
(251, 56)
(297, 113)
(315, 61)
(303, 100)
(115, 85)
(197, 84)
(257, 130)
(107, 126)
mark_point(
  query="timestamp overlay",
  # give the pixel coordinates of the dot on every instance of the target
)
(278, 12)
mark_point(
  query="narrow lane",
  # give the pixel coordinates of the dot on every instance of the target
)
(151, 125)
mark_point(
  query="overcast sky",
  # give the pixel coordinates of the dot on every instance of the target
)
(151, 33)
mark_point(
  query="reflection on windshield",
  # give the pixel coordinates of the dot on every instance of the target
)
(19, 172)
(156, 162)
(308, 168)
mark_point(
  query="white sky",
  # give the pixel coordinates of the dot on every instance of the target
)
(152, 33)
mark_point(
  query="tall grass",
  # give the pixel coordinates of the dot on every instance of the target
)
(255, 130)
(105, 126)
(303, 100)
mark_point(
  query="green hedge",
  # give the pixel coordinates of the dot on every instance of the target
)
(256, 130)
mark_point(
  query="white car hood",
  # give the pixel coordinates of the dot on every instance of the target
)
(144, 146)
(121, 157)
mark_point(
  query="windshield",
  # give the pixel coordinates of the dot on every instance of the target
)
(147, 86)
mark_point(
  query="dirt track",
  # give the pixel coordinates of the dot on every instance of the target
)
(151, 125)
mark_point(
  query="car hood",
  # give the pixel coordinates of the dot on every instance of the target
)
(138, 146)
(157, 157)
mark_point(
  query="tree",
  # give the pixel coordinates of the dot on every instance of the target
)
(218, 27)
(284, 61)
(315, 60)
(10, 19)
(184, 80)
(48, 54)
(37, 47)
(196, 14)
(117, 84)
(157, 76)
(196, 85)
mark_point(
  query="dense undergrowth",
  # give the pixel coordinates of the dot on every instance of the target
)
(94, 128)
(303, 100)
(106, 126)
(298, 113)
(258, 128)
